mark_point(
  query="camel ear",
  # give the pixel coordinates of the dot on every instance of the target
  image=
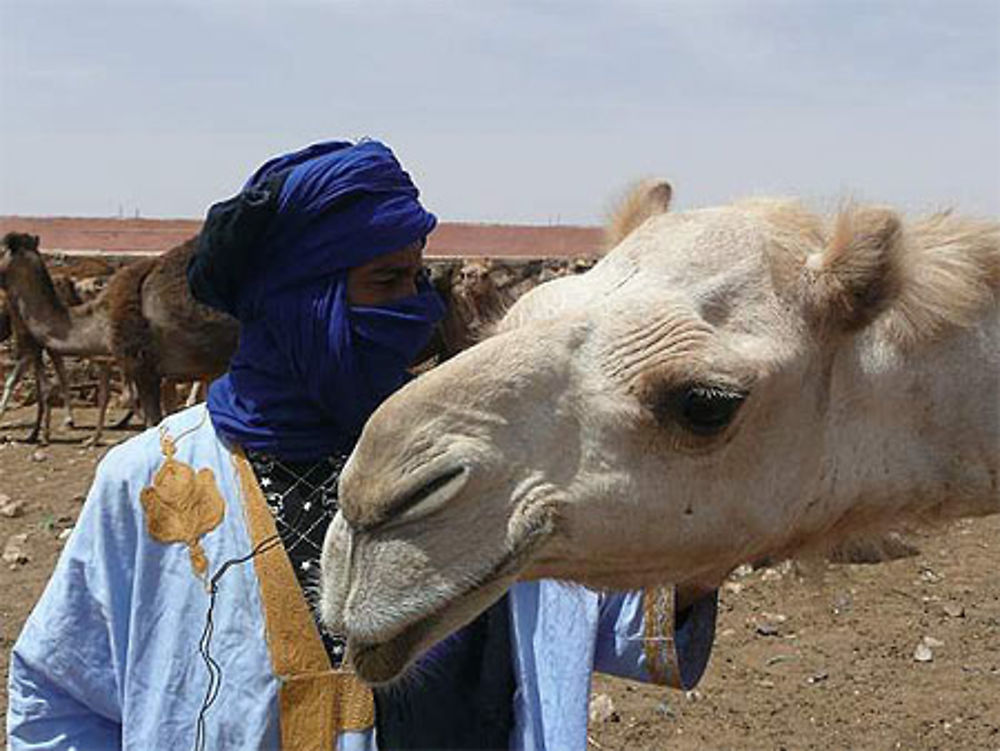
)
(648, 198)
(857, 275)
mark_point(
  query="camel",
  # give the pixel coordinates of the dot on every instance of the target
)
(726, 385)
(29, 346)
(27, 353)
(164, 333)
(477, 292)
(145, 318)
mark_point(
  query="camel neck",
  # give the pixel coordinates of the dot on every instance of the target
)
(80, 330)
(900, 419)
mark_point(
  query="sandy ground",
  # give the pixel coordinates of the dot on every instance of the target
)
(817, 657)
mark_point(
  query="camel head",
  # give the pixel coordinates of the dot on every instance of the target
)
(725, 384)
(25, 278)
(16, 246)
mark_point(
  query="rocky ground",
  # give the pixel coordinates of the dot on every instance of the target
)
(895, 656)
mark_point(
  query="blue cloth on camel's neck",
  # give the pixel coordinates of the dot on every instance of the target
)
(309, 368)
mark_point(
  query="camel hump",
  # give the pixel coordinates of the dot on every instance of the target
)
(131, 337)
(644, 199)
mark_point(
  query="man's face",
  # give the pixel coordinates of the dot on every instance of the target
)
(389, 277)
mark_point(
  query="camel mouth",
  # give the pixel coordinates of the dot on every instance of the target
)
(382, 662)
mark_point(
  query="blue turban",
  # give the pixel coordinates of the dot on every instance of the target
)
(310, 368)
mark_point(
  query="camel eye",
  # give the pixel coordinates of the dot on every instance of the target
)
(707, 410)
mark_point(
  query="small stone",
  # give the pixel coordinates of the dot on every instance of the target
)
(842, 603)
(14, 551)
(777, 659)
(602, 709)
(923, 653)
(818, 677)
(954, 610)
(664, 710)
(767, 629)
(764, 683)
(933, 643)
(693, 695)
(39, 456)
(12, 509)
(733, 588)
(929, 576)
(4, 498)
(741, 572)
(64, 535)
(79, 498)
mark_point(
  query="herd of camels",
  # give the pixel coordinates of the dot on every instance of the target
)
(145, 321)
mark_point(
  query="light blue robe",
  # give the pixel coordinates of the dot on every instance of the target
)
(109, 658)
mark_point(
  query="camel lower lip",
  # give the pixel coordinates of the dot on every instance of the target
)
(382, 662)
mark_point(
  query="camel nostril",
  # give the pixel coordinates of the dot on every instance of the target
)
(414, 498)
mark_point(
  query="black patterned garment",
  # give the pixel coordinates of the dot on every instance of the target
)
(302, 497)
(464, 700)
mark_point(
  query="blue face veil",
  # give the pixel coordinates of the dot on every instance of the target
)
(310, 368)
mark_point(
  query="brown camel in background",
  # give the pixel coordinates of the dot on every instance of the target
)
(145, 318)
(161, 332)
(48, 323)
(27, 352)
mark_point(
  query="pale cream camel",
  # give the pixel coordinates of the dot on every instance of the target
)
(726, 385)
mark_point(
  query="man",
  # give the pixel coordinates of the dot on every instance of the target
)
(177, 616)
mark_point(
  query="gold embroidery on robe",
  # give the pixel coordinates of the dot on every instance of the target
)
(658, 642)
(317, 703)
(181, 505)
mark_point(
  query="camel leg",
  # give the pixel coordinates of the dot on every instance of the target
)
(103, 397)
(43, 412)
(57, 363)
(168, 395)
(194, 395)
(133, 405)
(13, 378)
(149, 397)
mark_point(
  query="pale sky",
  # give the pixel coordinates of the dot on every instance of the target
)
(535, 112)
